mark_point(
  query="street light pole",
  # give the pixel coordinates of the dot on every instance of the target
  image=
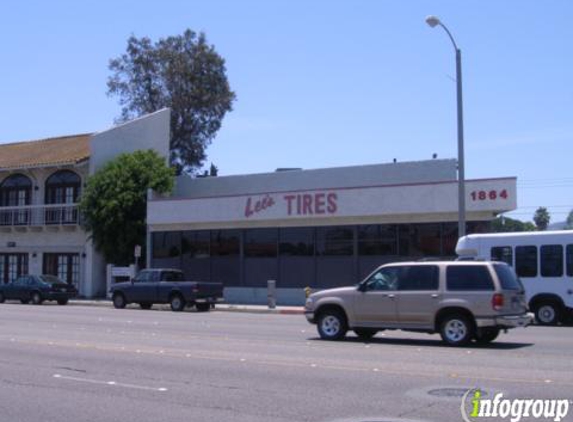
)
(433, 21)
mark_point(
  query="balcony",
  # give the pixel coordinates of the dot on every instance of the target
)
(39, 217)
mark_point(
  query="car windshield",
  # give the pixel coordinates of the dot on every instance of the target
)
(507, 277)
(51, 279)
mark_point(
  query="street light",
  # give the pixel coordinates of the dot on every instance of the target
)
(434, 21)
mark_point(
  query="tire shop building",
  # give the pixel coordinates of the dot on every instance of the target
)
(315, 228)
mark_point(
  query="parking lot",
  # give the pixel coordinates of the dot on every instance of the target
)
(101, 364)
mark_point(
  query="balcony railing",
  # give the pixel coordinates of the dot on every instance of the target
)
(40, 215)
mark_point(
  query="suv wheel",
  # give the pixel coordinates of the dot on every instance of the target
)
(2, 298)
(487, 335)
(547, 313)
(332, 325)
(119, 301)
(456, 330)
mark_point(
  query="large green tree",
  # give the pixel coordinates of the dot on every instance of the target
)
(114, 203)
(541, 218)
(184, 73)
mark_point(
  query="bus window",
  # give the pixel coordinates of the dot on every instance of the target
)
(503, 254)
(551, 260)
(569, 256)
(526, 261)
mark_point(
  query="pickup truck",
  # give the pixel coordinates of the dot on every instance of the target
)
(163, 285)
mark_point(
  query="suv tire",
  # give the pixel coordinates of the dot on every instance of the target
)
(332, 325)
(547, 313)
(456, 330)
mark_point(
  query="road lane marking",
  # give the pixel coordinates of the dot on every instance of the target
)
(110, 383)
(300, 364)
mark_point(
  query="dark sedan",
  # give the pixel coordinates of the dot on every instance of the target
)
(36, 289)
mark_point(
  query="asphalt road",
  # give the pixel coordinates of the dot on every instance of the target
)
(78, 363)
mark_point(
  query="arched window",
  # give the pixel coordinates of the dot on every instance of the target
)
(63, 187)
(15, 191)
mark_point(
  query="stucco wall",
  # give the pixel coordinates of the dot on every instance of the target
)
(148, 132)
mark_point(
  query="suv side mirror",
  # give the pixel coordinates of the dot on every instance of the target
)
(362, 287)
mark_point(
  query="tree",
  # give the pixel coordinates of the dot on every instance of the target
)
(114, 203)
(541, 218)
(506, 224)
(569, 222)
(181, 72)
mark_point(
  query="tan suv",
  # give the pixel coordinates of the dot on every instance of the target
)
(463, 301)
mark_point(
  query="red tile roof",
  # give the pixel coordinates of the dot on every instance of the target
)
(64, 150)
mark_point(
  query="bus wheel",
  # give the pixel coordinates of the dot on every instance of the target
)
(547, 313)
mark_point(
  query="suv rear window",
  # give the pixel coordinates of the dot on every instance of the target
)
(507, 278)
(468, 277)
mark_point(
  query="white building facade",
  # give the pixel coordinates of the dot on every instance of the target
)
(315, 228)
(40, 186)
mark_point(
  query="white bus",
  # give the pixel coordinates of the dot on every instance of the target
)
(542, 260)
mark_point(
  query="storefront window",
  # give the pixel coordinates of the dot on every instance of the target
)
(298, 241)
(335, 240)
(377, 240)
(195, 244)
(166, 245)
(225, 242)
(261, 243)
(420, 240)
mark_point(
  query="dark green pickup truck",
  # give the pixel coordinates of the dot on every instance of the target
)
(163, 285)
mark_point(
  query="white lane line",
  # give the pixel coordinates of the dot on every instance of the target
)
(110, 383)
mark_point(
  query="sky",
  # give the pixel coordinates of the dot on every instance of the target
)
(323, 83)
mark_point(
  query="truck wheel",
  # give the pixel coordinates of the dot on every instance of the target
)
(24, 301)
(62, 302)
(203, 307)
(36, 298)
(332, 325)
(119, 301)
(456, 330)
(547, 313)
(365, 333)
(145, 305)
(177, 303)
(487, 335)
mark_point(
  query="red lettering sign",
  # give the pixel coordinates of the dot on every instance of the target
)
(311, 203)
(255, 207)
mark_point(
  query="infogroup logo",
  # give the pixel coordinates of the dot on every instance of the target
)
(512, 409)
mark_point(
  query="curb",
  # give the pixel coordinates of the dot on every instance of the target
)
(219, 308)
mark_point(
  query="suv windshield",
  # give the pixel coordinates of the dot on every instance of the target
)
(507, 277)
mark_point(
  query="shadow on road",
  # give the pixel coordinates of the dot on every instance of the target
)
(496, 345)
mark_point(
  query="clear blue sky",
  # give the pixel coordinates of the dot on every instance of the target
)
(324, 83)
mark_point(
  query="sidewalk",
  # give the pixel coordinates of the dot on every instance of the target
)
(222, 307)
